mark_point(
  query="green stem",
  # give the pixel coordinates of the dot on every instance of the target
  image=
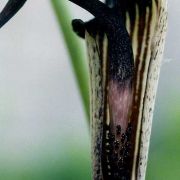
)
(75, 48)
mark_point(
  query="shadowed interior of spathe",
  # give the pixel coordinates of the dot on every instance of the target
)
(10, 9)
(113, 157)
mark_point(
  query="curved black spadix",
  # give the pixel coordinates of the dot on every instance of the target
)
(11, 8)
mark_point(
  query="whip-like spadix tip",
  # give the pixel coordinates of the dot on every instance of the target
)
(11, 8)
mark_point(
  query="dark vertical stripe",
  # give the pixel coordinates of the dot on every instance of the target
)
(136, 102)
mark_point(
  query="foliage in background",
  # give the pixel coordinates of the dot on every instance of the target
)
(74, 46)
(75, 166)
(164, 158)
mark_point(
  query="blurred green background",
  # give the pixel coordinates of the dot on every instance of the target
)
(44, 133)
